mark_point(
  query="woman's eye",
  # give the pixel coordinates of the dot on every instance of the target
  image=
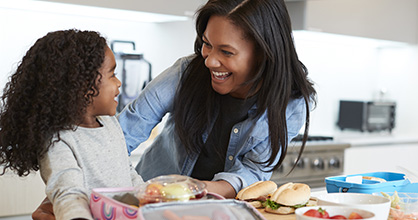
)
(227, 52)
(206, 44)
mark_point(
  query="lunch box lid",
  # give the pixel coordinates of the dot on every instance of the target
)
(394, 182)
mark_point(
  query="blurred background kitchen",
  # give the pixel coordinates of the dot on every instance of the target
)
(362, 50)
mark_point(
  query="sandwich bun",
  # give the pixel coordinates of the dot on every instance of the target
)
(282, 210)
(257, 189)
(291, 194)
(256, 204)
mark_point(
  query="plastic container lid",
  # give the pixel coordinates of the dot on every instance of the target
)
(403, 205)
(170, 188)
(201, 209)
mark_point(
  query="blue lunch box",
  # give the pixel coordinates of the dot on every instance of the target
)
(394, 182)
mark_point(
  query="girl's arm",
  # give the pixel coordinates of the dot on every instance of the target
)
(64, 182)
(44, 211)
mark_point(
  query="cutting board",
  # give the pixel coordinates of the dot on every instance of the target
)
(270, 216)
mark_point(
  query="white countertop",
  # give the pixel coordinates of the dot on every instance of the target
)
(373, 139)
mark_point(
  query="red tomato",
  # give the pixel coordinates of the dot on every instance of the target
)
(338, 217)
(355, 215)
(313, 213)
(320, 213)
(324, 213)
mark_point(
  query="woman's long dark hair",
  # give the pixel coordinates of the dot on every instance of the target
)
(49, 92)
(279, 72)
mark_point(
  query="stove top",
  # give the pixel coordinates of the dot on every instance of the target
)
(321, 158)
(299, 137)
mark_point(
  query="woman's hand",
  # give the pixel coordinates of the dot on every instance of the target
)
(221, 187)
(44, 211)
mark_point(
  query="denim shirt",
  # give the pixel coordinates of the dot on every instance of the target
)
(249, 139)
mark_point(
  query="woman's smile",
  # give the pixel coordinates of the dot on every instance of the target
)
(221, 75)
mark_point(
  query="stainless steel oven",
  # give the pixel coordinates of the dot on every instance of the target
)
(322, 157)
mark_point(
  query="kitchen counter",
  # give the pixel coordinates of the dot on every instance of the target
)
(374, 152)
(375, 139)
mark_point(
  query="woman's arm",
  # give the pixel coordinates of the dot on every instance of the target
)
(140, 116)
(221, 187)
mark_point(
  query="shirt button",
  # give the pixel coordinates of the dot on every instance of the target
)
(236, 130)
(231, 158)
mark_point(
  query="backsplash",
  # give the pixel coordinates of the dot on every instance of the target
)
(340, 69)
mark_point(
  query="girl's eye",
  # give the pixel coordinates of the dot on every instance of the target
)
(114, 75)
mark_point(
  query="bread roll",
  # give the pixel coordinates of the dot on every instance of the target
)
(283, 210)
(256, 204)
(257, 189)
(291, 194)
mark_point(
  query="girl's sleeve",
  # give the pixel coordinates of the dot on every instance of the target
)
(136, 178)
(64, 183)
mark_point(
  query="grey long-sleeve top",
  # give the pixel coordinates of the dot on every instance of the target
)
(84, 159)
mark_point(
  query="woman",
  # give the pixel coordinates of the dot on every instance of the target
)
(234, 104)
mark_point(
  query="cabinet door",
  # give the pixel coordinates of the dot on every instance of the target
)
(171, 7)
(20, 195)
(387, 158)
(395, 20)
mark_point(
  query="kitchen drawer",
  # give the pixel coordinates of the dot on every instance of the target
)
(20, 195)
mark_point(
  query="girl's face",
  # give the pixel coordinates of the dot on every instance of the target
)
(105, 103)
(229, 57)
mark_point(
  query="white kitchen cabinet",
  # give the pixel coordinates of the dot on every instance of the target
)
(178, 7)
(20, 195)
(395, 20)
(385, 158)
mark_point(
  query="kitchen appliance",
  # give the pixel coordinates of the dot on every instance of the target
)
(366, 115)
(133, 81)
(321, 158)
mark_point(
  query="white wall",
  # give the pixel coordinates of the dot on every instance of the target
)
(161, 43)
(340, 69)
(357, 69)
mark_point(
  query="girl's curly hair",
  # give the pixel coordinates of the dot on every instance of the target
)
(49, 92)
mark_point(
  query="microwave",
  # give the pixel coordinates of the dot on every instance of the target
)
(366, 115)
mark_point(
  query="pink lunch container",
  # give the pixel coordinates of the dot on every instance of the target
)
(103, 206)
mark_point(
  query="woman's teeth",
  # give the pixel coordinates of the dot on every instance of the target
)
(220, 75)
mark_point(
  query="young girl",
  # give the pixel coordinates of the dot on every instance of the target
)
(58, 117)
